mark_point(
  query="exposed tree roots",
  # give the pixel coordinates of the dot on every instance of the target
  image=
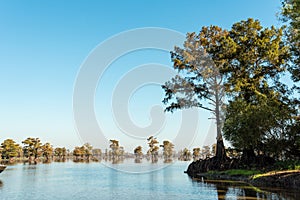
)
(215, 164)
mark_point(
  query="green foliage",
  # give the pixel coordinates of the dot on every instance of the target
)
(153, 148)
(291, 12)
(138, 152)
(47, 150)
(262, 126)
(88, 150)
(185, 155)
(260, 113)
(84, 152)
(198, 66)
(167, 150)
(78, 151)
(32, 147)
(196, 153)
(255, 55)
(287, 165)
(9, 149)
(60, 152)
(206, 152)
(291, 15)
(199, 79)
(115, 149)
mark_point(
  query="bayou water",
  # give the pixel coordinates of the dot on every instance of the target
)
(128, 180)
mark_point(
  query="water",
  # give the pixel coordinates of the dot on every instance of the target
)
(96, 181)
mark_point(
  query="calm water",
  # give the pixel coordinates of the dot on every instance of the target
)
(96, 181)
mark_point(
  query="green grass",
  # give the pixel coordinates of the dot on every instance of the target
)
(242, 172)
(236, 172)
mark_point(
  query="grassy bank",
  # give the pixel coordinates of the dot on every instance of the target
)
(236, 172)
(276, 178)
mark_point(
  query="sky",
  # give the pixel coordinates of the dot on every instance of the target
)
(44, 44)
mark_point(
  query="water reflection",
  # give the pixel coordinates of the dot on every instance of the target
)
(137, 160)
(78, 181)
(222, 190)
(114, 180)
(241, 190)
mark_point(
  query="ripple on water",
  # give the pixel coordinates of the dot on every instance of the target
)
(96, 181)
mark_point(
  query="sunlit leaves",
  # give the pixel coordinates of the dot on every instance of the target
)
(291, 15)
(198, 64)
(167, 150)
(32, 147)
(9, 149)
(255, 55)
(47, 150)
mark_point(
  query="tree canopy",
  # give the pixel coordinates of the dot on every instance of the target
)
(291, 15)
(245, 64)
(259, 109)
(10, 149)
(199, 79)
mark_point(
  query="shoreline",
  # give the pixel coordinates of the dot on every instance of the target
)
(286, 179)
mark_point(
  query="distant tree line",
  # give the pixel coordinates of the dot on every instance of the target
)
(32, 150)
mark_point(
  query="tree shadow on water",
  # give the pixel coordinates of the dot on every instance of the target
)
(221, 190)
(241, 190)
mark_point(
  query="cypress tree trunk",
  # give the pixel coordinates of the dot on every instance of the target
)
(220, 152)
(220, 149)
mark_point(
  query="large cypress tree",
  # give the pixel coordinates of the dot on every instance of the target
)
(199, 79)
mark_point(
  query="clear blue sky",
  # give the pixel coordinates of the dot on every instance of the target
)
(43, 44)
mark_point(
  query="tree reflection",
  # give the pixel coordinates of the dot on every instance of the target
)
(222, 189)
(240, 190)
(251, 192)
